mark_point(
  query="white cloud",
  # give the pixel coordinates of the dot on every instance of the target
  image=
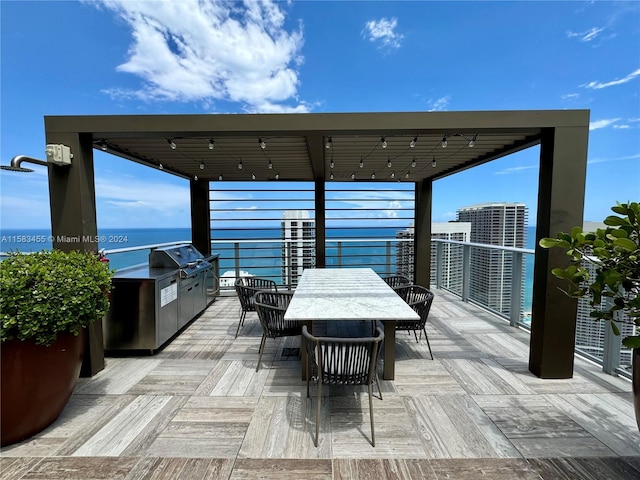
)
(128, 193)
(620, 81)
(439, 104)
(510, 170)
(614, 159)
(605, 122)
(383, 30)
(587, 35)
(571, 96)
(203, 50)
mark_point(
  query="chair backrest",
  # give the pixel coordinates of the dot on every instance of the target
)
(343, 361)
(419, 298)
(271, 307)
(247, 287)
(395, 281)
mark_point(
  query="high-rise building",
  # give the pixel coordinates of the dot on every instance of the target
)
(590, 332)
(298, 244)
(451, 262)
(501, 224)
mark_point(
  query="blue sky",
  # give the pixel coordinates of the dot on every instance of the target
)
(125, 57)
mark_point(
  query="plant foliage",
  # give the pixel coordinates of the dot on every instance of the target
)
(50, 292)
(615, 253)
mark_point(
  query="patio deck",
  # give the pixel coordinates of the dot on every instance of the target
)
(198, 409)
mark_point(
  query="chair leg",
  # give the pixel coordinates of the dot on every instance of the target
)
(262, 342)
(428, 344)
(378, 384)
(373, 434)
(241, 322)
(415, 334)
(318, 409)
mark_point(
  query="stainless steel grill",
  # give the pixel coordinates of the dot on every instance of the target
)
(186, 258)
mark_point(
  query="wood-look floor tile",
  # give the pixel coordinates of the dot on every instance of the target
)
(454, 426)
(424, 377)
(13, 468)
(123, 428)
(487, 468)
(620, 433)
(87, 468)
(585, 468)
(123, 376)
(383, 469)
(283, 469)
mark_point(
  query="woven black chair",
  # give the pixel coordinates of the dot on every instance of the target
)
(246, 288)
(342, 361)
(420, 299)
(396, 281)
(271, 307)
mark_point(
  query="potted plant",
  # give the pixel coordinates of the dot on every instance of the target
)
(614, 252)
(47, 299)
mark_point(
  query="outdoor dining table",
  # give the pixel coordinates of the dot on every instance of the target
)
(349, 294)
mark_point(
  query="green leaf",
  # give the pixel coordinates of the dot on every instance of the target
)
(614, 221)
(631, 342)
(626, 244)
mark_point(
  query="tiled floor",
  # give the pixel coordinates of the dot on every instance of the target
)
(198, 409)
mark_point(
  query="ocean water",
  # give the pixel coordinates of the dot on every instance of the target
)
(261, 258)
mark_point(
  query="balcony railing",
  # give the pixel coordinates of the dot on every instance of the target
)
(495, 278)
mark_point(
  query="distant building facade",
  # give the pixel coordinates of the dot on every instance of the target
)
(451, 261)
(491, 276)
(298, 245)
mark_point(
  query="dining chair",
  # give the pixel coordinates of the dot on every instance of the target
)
(246, 288)
(420, 299)
(396, 281)
(271, 307)
(342, 361)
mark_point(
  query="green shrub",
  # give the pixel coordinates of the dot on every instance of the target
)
(51, 292)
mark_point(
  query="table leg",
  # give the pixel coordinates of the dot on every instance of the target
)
(303, 351)
(389, 372)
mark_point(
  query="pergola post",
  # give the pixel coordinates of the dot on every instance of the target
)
(200, 233)
(563, 165)
(74, 226)
(422, 236)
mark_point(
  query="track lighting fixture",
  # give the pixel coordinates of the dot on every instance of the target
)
(195, 177)
(373, 175)
(329, 143)
(361, 163)
(201, 165)
(472, 142)
(433, 163)
(331, 175)
(353, 176)
(103, 146)
(393, 174)
(413, 142)
(406, 175)
(220, 177)
(161, 167)
(332, 164)
(277, 176)
(171, 144)
(383, 142)
(413, 162)
(262, 144)
(253, 177)
(444, 141)
(240, 165)
(211, 143)
(270, 165)
(388, 162)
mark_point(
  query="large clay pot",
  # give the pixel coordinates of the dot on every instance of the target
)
(36, 384)
(636, 383)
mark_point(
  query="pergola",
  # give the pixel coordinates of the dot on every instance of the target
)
(329, 147)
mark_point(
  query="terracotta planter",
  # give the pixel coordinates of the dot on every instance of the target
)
(36, 384)
(636, 383)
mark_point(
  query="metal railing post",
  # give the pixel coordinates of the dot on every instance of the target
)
(339, 254)
(516, 289)
(388, 258)
(439, 260)
(236, 252)
(466, 271)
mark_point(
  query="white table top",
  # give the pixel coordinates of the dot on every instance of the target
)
(346, 294)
